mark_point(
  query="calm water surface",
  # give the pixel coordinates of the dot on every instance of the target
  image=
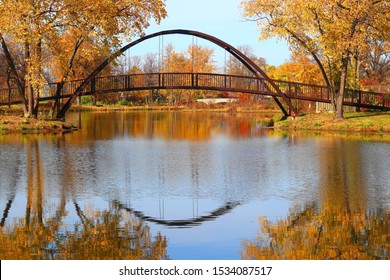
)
(146, 185)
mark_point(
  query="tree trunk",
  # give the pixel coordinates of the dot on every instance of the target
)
(339, 98)
(34, 85)
(30, 97)
(339, 113)
(20, 82)
(29, 88)
(9, 87)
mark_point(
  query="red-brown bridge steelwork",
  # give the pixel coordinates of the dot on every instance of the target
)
(281, 91)
(206, 81)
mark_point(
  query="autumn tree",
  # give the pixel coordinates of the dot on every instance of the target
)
(332, 32)
(151, 65)
(236, 67)
(13, 66)
(298, 69)
(195, 59)
(199, 60)
(42, 25)
(376, 70)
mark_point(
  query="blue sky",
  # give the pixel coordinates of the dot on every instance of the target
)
(219, 18)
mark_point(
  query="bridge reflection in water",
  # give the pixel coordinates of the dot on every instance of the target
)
(184, 223)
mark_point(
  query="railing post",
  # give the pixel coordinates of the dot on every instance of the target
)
(383, 102)
(93, 85)
(127, 82)
(58, 94)
(359, 100)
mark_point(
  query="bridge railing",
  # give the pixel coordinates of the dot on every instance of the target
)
(304, 91)
(233, 83)
(367, 98)
(176, 81)
(323, 94)
(11, 96)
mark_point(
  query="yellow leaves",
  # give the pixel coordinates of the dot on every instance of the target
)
(39, 25)
(103, 20)
(195, 59)
(334, 27)
(298, 69)
(332, 31)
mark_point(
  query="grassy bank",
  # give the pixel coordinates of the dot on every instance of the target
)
(18, 124)
(359, 122)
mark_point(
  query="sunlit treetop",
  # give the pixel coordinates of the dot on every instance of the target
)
(42, 25)
(331, 31)
(106, 20)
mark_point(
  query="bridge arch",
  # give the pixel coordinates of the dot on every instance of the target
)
(247, 62)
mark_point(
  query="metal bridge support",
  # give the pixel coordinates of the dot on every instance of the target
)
(253, 67)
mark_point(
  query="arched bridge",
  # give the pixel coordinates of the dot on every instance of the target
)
(259, 83)
(214, 82)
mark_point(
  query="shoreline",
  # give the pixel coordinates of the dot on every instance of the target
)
(10, 124)
(11, 120)
(356, 122)
(158, 108)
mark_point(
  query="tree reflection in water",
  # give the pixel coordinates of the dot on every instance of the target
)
(109, 234)
(340, 226)
(327, 233)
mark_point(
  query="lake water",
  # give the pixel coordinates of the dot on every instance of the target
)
(181, 185)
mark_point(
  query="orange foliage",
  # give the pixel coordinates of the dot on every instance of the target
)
(298, 69)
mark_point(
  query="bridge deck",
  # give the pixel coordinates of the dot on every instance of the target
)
(204, 81)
